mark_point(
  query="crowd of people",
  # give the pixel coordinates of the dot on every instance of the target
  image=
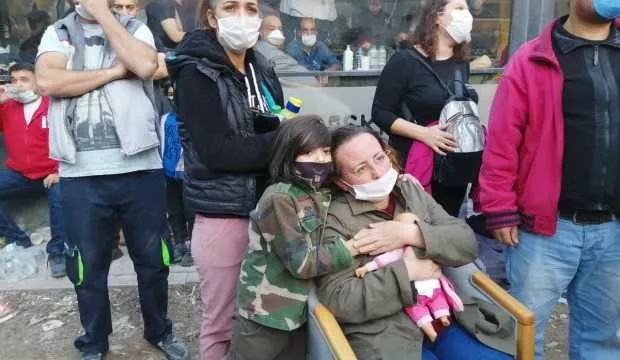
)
(315, 37)
(270, 208)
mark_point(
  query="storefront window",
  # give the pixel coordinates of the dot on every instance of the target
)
(22, 23)
(372, 29)
(375, 29)
(561, 7)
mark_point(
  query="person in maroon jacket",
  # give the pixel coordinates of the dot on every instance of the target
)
(29, 169)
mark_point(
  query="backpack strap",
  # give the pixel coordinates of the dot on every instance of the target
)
(429, 68)
(403, 107)
(459, 84)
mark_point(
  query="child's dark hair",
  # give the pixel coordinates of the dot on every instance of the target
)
(296, 136)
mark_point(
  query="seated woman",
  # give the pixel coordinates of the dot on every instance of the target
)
(370, 309)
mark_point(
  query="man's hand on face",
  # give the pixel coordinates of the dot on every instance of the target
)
(96, 8)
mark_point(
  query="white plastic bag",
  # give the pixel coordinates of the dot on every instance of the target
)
(18, 263)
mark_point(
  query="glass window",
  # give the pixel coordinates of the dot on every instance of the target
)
(561, 7)
(373, 30)
(22, 23)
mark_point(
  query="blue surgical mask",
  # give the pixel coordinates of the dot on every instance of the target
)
(607, 9)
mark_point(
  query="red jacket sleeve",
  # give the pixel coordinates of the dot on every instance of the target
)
(3, 109)
(497, 194)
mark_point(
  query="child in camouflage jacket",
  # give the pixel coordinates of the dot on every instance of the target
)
(286, 249)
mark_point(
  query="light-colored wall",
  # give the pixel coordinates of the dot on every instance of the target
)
(336, 104)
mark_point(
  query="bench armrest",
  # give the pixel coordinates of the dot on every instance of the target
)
(333, 334)
(526, 329)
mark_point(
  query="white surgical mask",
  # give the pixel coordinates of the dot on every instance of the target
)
(377, 189)
(308, 40)
(238, 33)
(24, 96)
(83, 12)
(461, 25)
(276, 38)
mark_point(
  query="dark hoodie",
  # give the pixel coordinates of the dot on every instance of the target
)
(225, 160)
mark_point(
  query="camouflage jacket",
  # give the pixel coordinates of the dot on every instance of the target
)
(285, 252)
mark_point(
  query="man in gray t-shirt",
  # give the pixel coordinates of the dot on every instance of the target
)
(96, 68)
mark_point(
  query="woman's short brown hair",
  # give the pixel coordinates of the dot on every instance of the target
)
(425, 33)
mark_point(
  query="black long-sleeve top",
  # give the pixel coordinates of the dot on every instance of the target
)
(406, 80)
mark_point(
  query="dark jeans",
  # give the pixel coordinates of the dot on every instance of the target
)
(93, 207)
(13, 185)
(180, 218)
(449, 197)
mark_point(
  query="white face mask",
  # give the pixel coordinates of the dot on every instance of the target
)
(308, 40)
(25, 96)
(276, 38)
(461, 25)
(378, 189)
(83, 13)
(20, 95)
(238, 33)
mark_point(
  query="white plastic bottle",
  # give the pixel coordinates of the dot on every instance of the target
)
(359, 54)
(347, 59)
(365, 62)
(372, 55)
(382, 55)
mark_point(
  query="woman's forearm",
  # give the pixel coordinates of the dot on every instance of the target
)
(408, 129)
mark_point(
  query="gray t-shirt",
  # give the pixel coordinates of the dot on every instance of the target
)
(97, 144)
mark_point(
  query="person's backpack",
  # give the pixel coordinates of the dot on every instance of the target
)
(460, 113)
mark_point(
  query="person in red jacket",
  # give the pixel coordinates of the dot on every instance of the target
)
(29, 169)
(550, 178)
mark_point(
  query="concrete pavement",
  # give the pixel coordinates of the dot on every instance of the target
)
(121, 275)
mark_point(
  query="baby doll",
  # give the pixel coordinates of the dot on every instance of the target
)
(435, 296)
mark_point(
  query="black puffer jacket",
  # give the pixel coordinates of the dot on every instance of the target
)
(225, 160)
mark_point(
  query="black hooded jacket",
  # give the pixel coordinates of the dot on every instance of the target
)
(225, 160)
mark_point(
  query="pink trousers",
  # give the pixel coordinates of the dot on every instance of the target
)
(437, 305)
(218, 247)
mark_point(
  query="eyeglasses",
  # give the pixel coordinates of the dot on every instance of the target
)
(379, 159)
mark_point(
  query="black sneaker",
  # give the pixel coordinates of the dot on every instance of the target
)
(187, 259)
(117, 253)
(91, 356)
(25, 243)
(173, 348)
(179, 251)
(57, 265)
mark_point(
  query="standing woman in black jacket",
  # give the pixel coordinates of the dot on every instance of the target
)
(224, 93)
(440, 40)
